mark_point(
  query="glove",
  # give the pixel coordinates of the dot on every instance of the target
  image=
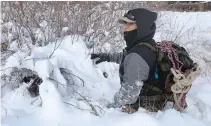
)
(102, 57)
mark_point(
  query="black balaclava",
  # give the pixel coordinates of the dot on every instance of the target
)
(130, 36)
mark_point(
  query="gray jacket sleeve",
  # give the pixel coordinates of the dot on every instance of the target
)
(136, 70)
(116, 57)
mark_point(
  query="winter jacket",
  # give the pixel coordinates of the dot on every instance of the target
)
(137, 66)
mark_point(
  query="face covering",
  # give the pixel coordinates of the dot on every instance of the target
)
(130, 37)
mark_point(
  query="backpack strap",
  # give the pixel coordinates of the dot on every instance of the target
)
(148, 45)
(154, 88)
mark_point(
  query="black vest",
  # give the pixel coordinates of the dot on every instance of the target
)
(150, 57)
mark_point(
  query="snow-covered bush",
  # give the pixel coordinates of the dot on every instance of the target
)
(42, 22)
(60, 76)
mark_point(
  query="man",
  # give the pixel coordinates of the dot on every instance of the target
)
(137, 63)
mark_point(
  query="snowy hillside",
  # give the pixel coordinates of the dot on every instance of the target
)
(75, 91)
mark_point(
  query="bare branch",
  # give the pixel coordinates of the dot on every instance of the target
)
(5, 112)
(76, 106)
(71, 73)
(56, 47)
(87, 101)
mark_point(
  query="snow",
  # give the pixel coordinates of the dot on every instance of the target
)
(14, 60)
(106, 33)
(90, 31)
(44, 68)
(14, 46)
(43, 24)
(51, 100)
(56, 105)
(106, 47)
(9, 25)
(65, 29)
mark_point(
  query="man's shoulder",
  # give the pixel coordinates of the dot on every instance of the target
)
(142, 49)
(146, 53)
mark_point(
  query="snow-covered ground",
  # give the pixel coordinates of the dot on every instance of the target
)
(64, 103)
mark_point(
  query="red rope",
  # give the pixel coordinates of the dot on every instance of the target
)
(166, 47)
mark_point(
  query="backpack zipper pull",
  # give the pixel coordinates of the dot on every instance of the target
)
(156, 72)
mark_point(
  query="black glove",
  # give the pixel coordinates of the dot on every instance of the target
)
(102, 57)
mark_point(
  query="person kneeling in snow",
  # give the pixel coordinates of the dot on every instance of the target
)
(142, 85)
